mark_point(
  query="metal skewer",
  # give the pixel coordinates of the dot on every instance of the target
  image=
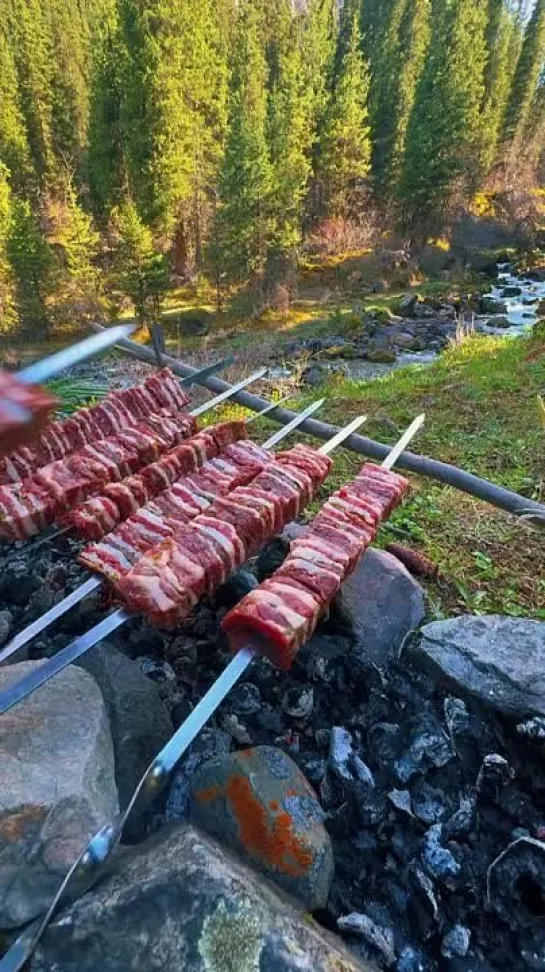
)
(52, 666)
(48, 367)
(93, 860)
(58, 610)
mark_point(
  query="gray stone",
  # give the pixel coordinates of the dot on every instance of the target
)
(408, 342)
(384, 603)
(407, 305)
(511, 292)
(139, 721)
(494, 774)
(380, 355)
(499, 660)
(258, 802)
(489, 305)
(516, 884)
(6, 624)
(58, 786)
(499, 321)
(180, 902)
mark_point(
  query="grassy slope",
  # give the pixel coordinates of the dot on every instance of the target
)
(480, 402)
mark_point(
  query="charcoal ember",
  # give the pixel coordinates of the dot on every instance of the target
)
(231, 724)
(320, 656)
(180, 711)
(428, 803)
(245, 699)
(144, 641)
(181, 649)
(298, 702)
(18, 590)
(412, 960)
(532, 730)
(238, 586)
(271, 557)
(344, 762)
(314, 767)
(339, 821)
(384, 742)
(401, 800)
(270, 720)
(462, 821)
(516, 884)
(6, 625)
(495, 773)
(404, 844)
(439, 861)
(372, 807)
(381, 939)
(427, 750)
(456, 942)
(456, 716)
(423, 891)
(532, 949)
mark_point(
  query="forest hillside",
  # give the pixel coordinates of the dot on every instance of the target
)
(151, 142)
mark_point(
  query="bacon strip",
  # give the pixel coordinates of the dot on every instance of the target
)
(281, 615)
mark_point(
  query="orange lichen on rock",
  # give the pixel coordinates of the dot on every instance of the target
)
(206, 796)
(272, 840)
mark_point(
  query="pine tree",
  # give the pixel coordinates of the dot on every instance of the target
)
(318, 52)
(503, 37)
(243, 221)
(289, 147)
(106, 159)
(398, 64)
(70, 46)
(33, 268)
(445, 133)
(14, 150)
(140, 271)
(345, 145)
(527, 74)
(8, 312)
(32, 46)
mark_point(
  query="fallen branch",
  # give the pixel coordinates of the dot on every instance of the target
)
(504, 499)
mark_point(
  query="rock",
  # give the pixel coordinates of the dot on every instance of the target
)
(456, 942)
(258, 802)
(383, 603)
(511, 292)
(401, 800)
(499, 321)
(499, 660)
(381, 939)
(489, 305)
(180, 902)
(429, 749)
(6, 624)
(379, 287)
(407, 305)
(209, 744)
(408, 342)
(438, 861)
(456, 716)
(231, 724)
(139, 721)
(58, 786)
(380, 355)
(532, 729)
(316, 374)
(346, 351)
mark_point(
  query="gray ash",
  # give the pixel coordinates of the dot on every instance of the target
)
(422, 792)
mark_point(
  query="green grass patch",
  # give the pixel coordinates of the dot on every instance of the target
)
(481, 410)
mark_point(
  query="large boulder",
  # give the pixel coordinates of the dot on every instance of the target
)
(383, 603)
(259, 803)
(498, 660)
(57, 789)
(489, 305)
(139, 721)
(180, 902)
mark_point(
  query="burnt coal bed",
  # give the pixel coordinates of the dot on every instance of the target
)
(422, 791)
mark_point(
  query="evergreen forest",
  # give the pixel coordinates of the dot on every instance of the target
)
(146, 142)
